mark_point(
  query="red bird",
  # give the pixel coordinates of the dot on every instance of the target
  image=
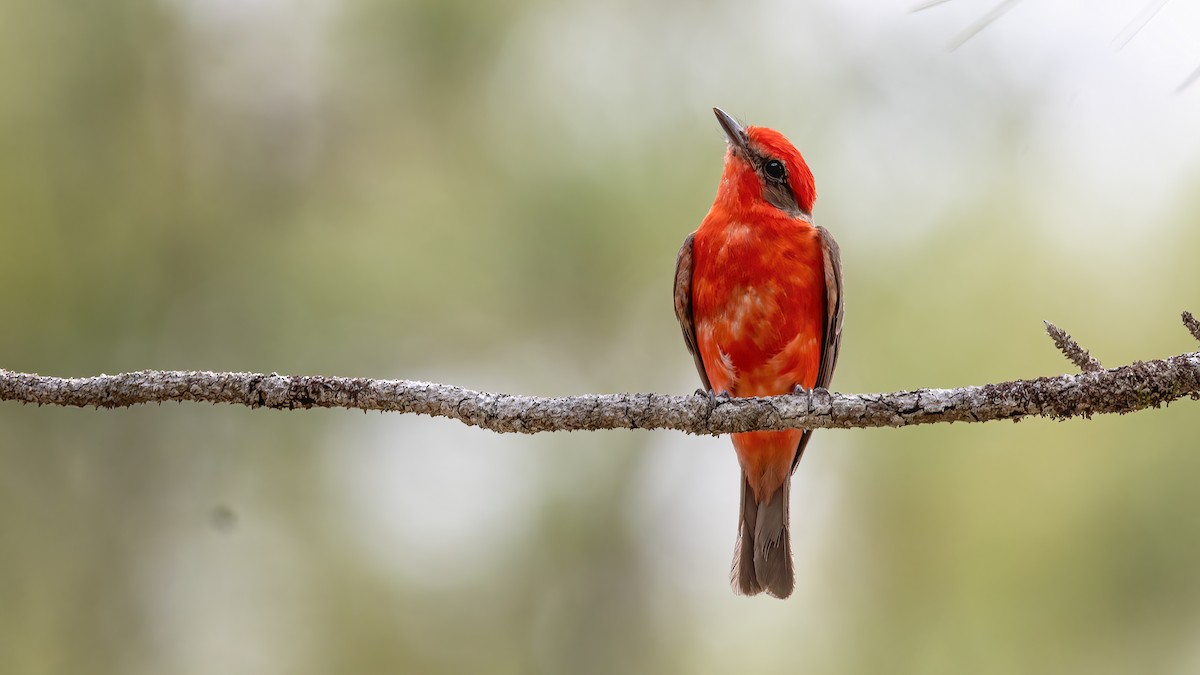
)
(758, 293)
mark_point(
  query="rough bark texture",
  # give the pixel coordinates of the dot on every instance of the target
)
(1118, 390)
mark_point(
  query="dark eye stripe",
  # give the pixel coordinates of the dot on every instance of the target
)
(776, 189)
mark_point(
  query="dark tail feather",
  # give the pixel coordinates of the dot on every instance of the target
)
(762, 557)
(773, 545)
(743, 577)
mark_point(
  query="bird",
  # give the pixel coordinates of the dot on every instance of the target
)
(758, 295)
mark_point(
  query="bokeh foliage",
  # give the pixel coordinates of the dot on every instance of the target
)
(491, 194)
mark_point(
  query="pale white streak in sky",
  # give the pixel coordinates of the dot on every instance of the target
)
(1139, 22)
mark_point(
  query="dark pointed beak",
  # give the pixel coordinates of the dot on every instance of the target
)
(733, 131)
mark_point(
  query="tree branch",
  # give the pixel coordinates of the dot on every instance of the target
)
(1126, 389)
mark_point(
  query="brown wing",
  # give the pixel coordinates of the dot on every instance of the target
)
(833, 308)
(683, 305)
(832, 342)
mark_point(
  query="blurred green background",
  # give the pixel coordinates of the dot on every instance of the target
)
(492, 195)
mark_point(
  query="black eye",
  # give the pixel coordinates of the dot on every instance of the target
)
(774, 169)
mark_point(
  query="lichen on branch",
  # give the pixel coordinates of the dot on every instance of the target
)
(1125, 389)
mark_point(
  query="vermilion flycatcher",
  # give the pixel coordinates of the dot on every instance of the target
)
(758, 293)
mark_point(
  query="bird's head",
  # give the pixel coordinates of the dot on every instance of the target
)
(761, 166)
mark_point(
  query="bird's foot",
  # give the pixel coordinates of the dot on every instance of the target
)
(713, 397)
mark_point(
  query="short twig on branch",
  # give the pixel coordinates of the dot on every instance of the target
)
(1192, 324)
(1118, 390)
(1071, 349)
